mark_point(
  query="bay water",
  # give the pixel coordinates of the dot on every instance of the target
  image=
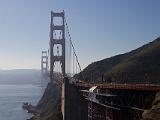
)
(14, 91)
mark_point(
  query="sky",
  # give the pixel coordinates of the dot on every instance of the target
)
(99, 28)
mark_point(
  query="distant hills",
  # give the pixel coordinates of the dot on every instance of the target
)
(20, 76)
(141, 65)
(20, 71)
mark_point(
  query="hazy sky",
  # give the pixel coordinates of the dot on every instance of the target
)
(99, 28)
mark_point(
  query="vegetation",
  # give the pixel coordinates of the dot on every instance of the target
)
(141, 65)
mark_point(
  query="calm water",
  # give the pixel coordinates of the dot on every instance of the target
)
(12, 97)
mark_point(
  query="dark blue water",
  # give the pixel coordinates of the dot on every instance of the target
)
(12, 97)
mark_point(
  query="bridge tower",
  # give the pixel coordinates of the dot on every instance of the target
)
(44, 64)
(57, 42)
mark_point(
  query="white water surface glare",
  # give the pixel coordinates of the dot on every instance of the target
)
(12, 98)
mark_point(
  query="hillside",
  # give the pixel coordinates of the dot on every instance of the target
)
(154, 112)
(138, 66)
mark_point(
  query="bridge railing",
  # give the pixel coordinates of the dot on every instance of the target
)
(152, 87)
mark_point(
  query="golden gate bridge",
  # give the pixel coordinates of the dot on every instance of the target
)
(82, 100)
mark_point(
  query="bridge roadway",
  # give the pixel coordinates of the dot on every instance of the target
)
(146, 87)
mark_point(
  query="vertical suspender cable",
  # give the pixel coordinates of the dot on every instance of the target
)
(70, 51)
(73, 65)
(74, 49)
(76, 68)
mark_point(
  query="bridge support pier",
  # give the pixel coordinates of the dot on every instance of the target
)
(98, 112)
(74, 107)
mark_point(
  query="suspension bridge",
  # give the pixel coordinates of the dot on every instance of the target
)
(81, 100)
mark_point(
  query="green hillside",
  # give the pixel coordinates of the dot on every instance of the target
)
(141, 65)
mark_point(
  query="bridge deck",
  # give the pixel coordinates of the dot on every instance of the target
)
(146, 87)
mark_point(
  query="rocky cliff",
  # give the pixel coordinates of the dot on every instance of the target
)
(154, 112)
(49, 107)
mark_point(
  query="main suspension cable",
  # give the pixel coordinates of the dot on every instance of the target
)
(74, 52)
